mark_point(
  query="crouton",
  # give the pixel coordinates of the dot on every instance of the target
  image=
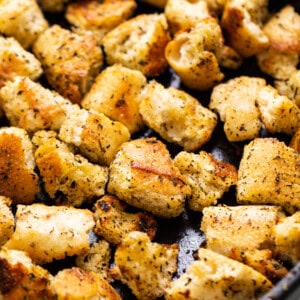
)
(70, 61)
(113, 222)
(21, 278)
(214, 276)
(183, 14)
(235, 103)
(18, 181)
(68, 179)
(23, 20)
(278, 113)
(146, 267)
(295, 141)
(7, 221)
(52, 6)
(208, 177)
(216, 7)
(97, 137)
(99, 18)
(287, 238)
(115, 94)
(242, 24)
(32, 107)
(192, 55)
(178, 117)
(96, 259)
(51, 232)
(269, 174)
(143, 175)
(15, 61)
(139, 43)
(78, 284)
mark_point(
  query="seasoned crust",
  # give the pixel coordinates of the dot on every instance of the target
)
(143, 175)
(177, 116)
(115, 94)
(139, 43)
(113, 222)
(51, 232)
(70, 61)
(18, 178)
(99, 17)
(7, 221)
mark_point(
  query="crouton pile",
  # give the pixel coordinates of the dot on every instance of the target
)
(148, 148)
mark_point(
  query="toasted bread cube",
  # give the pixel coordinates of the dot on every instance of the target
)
(7, 221)
(23, 20)
(287, 238)
(214, 276)
(99, 17)
(97, 137)
(113, 222)
(15, 61)
(77, 284)
(53, 6)
(143, 175)
(277, 64)
(192, 54)
(283, 30)
(278, 112)
(70, 61)
(51, 232)
(96, 259)
(235, 103)
(239, 228)
(146, 267)
(208, 177)
(177, 116)
(241, 21)
(139, 43)
(68, 178)
(183, 14)
(32, 107)
(269, 174)
(18, 181)
(21, 278)
(115, 94)
(290, 87)
(295, 141)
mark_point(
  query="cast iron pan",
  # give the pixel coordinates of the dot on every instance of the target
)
(184, 229)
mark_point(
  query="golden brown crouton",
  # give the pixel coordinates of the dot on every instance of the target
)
(32, 107)
(96, 259)
(77, 284)
(7, 221)
(242, 23)
(178, 117)
(139, 43)
(146, 267)
(70, 61)
(208, 177)
(113, 222)
(18, 178)
(269, 174)
(278, 113)
(51, 232)
(21, 279)
(52, 6)
(23, 20)
(15, 61)
(192, 54)
(96, 136)
(214, 276)
(287, 238)
(235, 103)
(183, 14)
(143, 175)
(99, 17)
(68, 178)
(115, 94)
